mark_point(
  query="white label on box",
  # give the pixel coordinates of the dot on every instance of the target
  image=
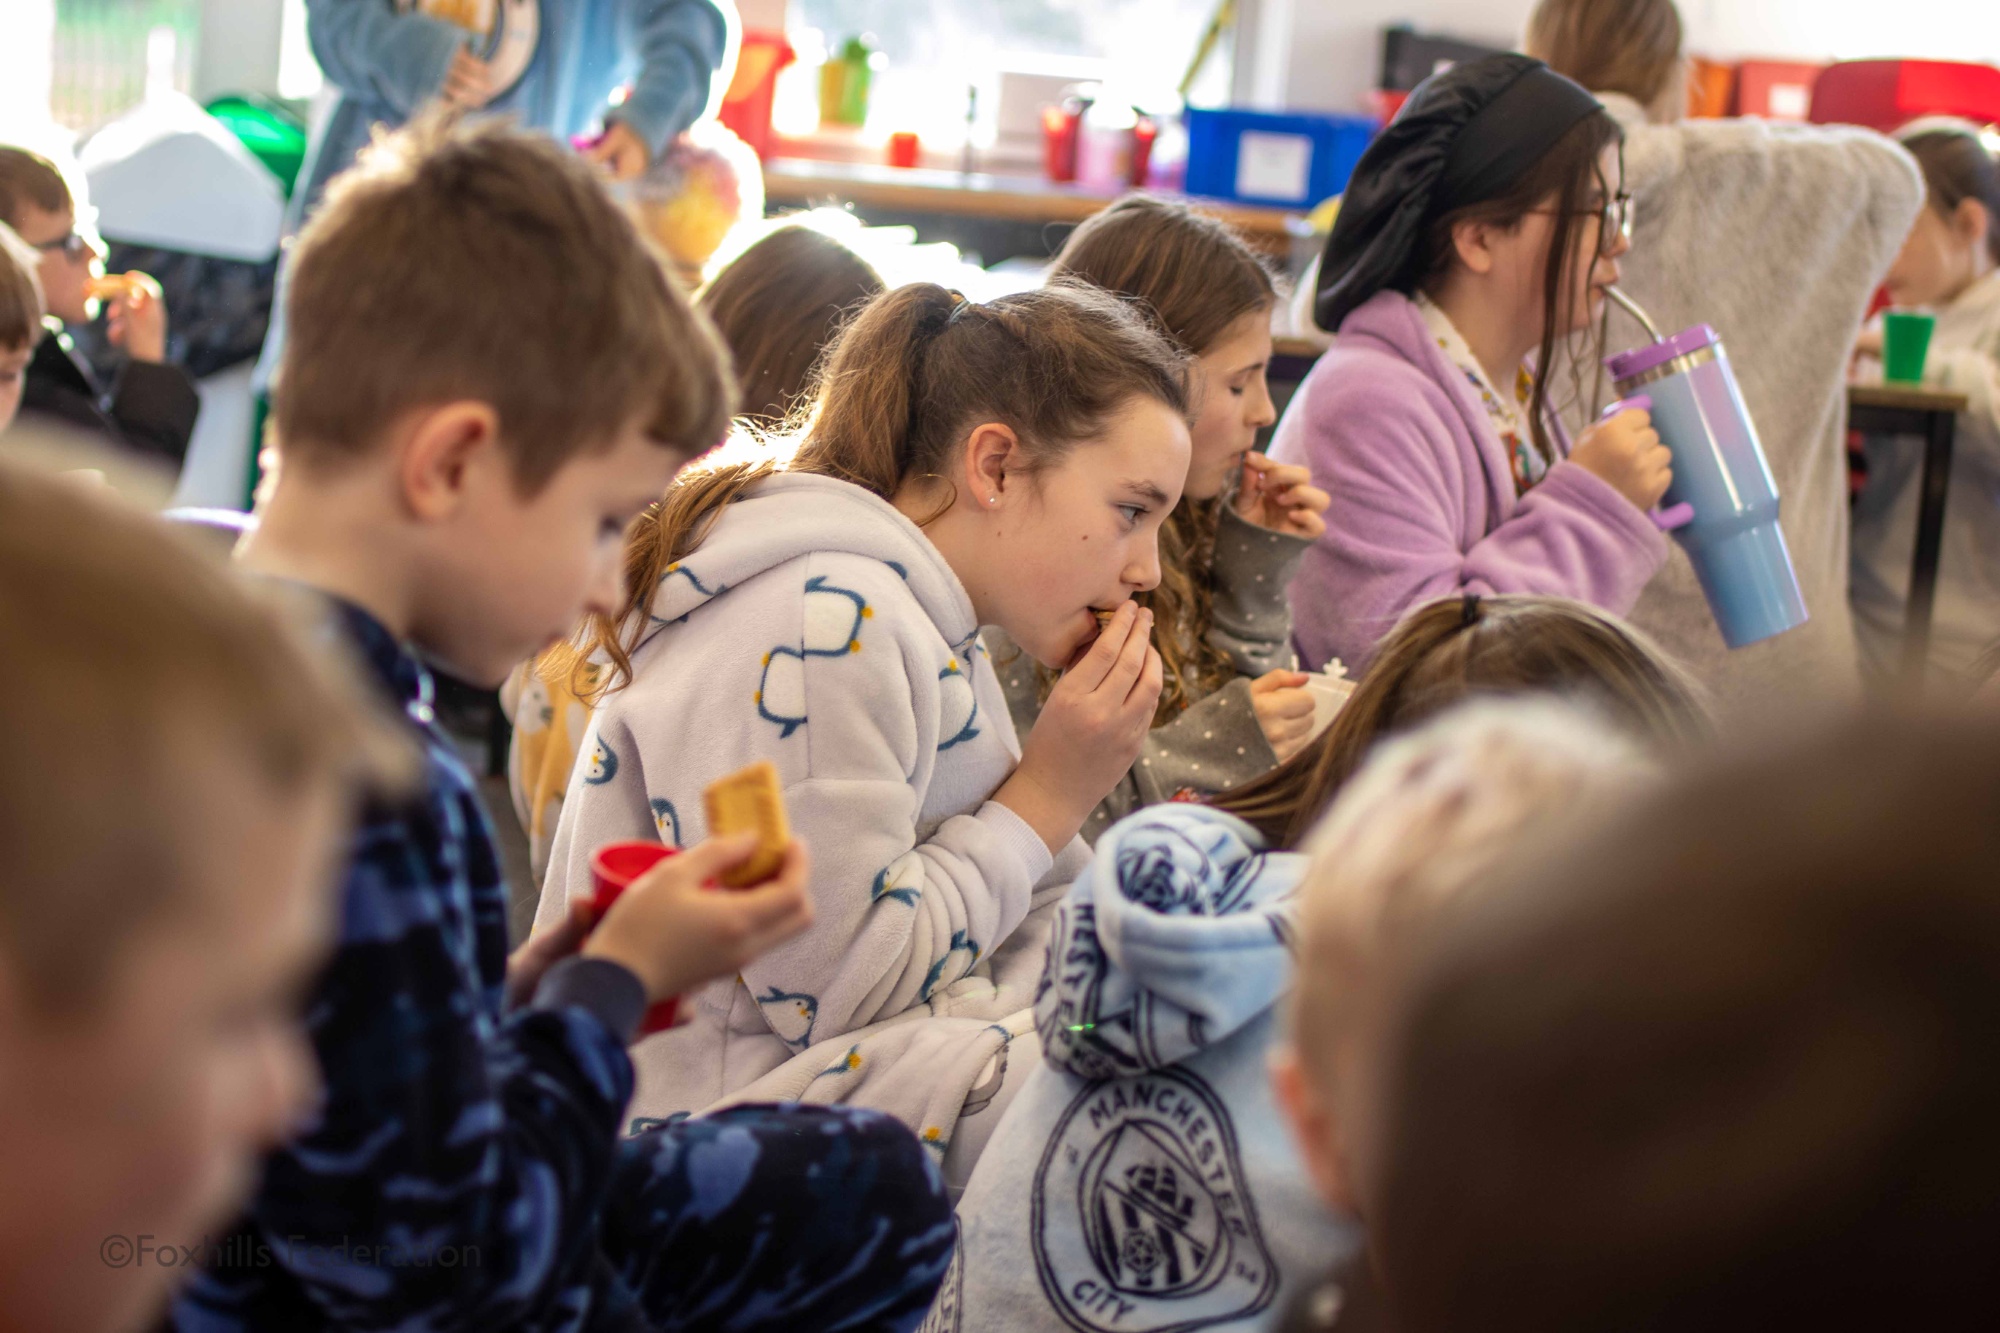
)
(1790, 101)
(1273, 166)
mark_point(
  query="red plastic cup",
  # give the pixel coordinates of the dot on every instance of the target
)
(614, 868)
(903, 149)
(1143, 135)
(1059, 129)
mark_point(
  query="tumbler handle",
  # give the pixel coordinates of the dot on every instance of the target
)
(1674, 516)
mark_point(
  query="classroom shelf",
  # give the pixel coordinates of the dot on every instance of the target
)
(920, 191)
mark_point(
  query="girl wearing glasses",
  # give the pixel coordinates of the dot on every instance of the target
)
(1777, 235)
(1479, 232)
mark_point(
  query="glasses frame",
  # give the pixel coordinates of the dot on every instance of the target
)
(74, 245)
(1614, 220)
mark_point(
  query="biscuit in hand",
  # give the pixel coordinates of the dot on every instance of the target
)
(750, 801)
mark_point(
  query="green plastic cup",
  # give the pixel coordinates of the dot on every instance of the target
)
(1906, 344)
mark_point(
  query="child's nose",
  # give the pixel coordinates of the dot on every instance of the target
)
(1143, 574)
(1263, 412)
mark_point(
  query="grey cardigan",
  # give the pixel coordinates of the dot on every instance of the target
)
(1216, 742)
(1776, 235)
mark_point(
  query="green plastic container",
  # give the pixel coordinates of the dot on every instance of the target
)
(1906, 345)
(845, 81)
(273, 134)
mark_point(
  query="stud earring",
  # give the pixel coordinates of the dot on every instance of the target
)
(993, 499)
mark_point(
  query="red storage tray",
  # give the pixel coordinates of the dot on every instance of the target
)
(1887, 94)
(1776, 89)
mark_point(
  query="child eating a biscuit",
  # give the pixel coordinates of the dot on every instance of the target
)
(151, 406)
(818, 605)
(1233, 707)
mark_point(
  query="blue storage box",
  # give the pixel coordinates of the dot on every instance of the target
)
(1264, 157)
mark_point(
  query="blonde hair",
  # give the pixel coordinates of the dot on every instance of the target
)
(1196, 277)
(1460, 647)
(471, 260)
(1425, 821)
(915, 370)
(1610, 46)
(137, 662)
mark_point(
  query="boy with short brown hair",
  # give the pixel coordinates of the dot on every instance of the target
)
(177, 778)
(151, 406)
(21, 312)
(488, 375)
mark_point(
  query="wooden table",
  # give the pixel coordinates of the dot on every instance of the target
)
(1895, 409)
(804, 182)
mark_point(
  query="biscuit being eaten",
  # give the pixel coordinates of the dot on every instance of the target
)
(750, 801)
(110, 287)
(1104, 619)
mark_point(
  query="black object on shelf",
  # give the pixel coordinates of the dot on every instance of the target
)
(1409, 57)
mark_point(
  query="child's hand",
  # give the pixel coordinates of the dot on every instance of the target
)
(620, 151)
(469, 81)
(1090, 730)
(1869, 343)
(1281, 497)
(1627, 454)
(1284, 709)
(673, 934)
(527, 965)
(139, 319)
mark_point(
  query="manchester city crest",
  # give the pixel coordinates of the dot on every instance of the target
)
(1141, 1220)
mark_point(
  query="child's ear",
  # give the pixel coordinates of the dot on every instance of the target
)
(1473, 240)
(992, 459)
(1971, 220)
(1314, 1129)
(443, 448)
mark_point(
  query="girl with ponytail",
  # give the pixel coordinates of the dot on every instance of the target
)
(1232, 707)
(818, 606)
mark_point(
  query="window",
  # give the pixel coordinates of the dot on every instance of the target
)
(935, 49)
(1135, 36)
(107, 50)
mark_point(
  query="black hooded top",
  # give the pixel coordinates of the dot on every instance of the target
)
(1465, 136)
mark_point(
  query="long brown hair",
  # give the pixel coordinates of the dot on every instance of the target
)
(1194, 275)
(1452, 649)
(915, 370)
(1957, 166)
(1609, 46)
(778, 305)
(1567, 174)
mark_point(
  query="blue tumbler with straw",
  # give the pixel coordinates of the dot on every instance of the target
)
(1723, 505)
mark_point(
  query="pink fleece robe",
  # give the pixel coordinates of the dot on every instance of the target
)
(1423, 497)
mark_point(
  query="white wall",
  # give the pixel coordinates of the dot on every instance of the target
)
(1337, 44)
(27, 36)
(239, 48)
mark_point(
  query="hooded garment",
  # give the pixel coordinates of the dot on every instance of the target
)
(818, 628)
(1777, 235)
(1143, 1180)
(1424, 502)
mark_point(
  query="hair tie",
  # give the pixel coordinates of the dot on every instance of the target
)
(1468, 614)
(959, 305)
